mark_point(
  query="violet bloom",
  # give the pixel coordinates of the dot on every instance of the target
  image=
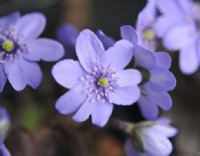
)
(157, 79)
(153, 138)
(97, 80)
(4, 125)
(4, 121)
(67, 35)
(178, 26)
(145, 26)
(3, 150)
(20, 48)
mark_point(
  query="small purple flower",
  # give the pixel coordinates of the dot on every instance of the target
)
(157, 79)
(20, 48)
(145, 26)
(4, 121)
(179, 27)
(4, 125)
(67, 35)
(153, 138)
(97, 80)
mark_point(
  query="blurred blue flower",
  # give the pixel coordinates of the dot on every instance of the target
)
(97, 80)
(145, 26)
(179, 27)
(3, 150)
(67, 35)
(157, 79)
(4, 126)
(4, 121)
(152, 136)
(20, 48)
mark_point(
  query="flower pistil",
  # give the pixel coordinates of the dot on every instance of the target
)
(103, 82)
(8, 45)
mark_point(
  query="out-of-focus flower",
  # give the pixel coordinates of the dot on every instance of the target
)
(97, 80)
(145, 26)
(157, 79)
(67, 35)
(150, 138)
(3, 150)
(4, 125)
(20, 47)
(178, 26)
(4, 121)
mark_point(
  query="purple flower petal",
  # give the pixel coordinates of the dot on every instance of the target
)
(67, 34)
(179, 37)
(30, 25)
(129, 77)
(14, 75)
(189, 61)
(175, 7)
(163, 60)
(165, 130)
(118, 56)
(128, 33)
(68, 73)
(10, 19)
(106, 40)
(102, 113)
(89, 49)
(155, 143)
(147, 16)
(163, 78)
(160, 98)
(44, 49)
(125, 95)
(163, 120)
(3, 77)
(148, 109)
(144, 58)
(165, 23)
(31, 72)
(85, 110)
(3, 150)
(71, 101)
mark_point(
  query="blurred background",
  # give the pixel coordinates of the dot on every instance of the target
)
(38, 129)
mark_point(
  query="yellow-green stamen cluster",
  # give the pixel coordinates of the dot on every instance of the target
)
(103, 82)
(8, 45)
(149, 34)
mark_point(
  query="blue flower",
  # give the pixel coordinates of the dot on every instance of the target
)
(145, 26)
(178, 26)
(97, 80)
(157, 79)
(4, 125)
(4, 121)
(3, 150)
(20, 47)
(152, 137)
(67, 35)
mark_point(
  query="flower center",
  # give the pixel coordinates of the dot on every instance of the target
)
(8, 45)
(149, 34)
(103, 82)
